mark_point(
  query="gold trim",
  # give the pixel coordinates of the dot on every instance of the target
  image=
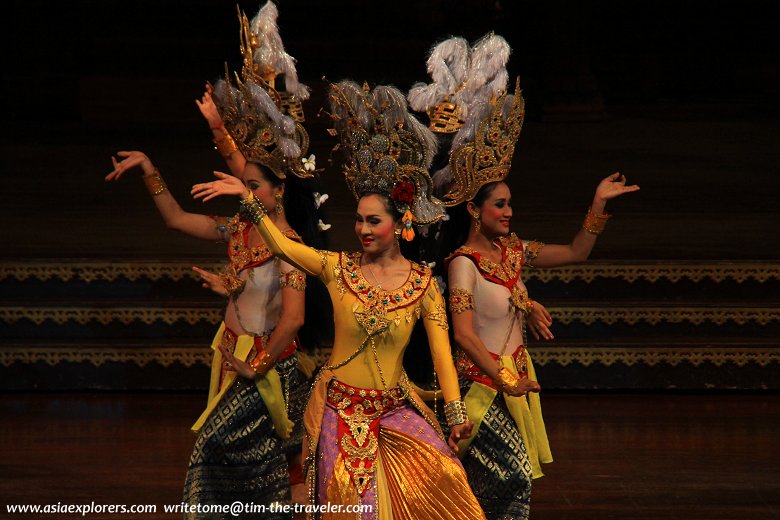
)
(125, 315)
(651, 356)
(656, 315)
(176, 270)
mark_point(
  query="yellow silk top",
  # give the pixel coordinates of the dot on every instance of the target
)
(360, 309)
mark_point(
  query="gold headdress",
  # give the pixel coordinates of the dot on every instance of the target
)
(260, 131)
(488, 157)
(265, 59)
(387, 150)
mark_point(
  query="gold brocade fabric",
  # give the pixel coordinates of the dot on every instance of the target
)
(414, 473)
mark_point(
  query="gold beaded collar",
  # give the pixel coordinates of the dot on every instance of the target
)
(349, 275)
(504, 273)
(241, 255)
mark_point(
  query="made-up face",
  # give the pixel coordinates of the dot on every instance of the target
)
(374, 224)
(496, 212)
(256, 179)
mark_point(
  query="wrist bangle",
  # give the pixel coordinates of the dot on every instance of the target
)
(455, 411)
(505, 380)
(262, 363)
(155, 183)
(594, 224)
(225, 145)
(252, 209)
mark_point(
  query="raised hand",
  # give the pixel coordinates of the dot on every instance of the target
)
(226, 185)
(539, 321)
(209, 109)
(211, 281)
(130, 160)
(613, 186)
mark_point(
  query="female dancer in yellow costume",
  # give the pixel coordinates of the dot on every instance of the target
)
(370, 441)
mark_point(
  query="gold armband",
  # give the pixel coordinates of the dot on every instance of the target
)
(594, 224)
(155, 183)
(225, 145)
(455, 411)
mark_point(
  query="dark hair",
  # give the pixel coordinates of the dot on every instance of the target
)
(387, 201)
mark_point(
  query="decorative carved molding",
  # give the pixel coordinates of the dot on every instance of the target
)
(656, 315)
(652, 356)
(107, 271)
(154, 270)
(165, 356)
(673, 272)
(542, 355)
(564, 315)
(104, 316)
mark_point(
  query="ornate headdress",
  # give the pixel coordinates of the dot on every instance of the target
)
(265, 59)
(259, 129)
(462, 76)
(485, 156)
(387, 150)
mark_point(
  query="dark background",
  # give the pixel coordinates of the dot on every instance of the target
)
(679, 96)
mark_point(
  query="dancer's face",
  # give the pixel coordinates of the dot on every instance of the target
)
(496, 211)
(256, 179)
(374, 225)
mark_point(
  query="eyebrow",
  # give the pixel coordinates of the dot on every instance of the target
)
(367, 216)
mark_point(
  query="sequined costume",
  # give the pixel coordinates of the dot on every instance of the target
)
(509, 442)
(369, 439)
(250, 429)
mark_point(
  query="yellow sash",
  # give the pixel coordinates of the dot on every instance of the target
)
(270, 386)
(526, 412)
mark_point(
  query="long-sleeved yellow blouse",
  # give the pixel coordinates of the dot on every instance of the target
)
(372, 325)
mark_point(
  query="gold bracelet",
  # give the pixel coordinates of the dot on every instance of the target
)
(505, 380)
(455, 411)
(155, 183)
(252, 209)
(225, 145)
(594, 224)
(262, 363)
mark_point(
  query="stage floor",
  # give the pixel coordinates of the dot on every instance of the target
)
(618, 456)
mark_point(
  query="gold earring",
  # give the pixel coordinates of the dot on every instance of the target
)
(279, 209)
(397, 233)
(477, 223)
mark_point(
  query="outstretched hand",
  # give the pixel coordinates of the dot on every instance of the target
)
(226, 185)
(130, 161)
(613, 186)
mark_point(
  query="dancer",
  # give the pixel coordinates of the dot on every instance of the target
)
(246, 437)
(490, 307)
(369, 439)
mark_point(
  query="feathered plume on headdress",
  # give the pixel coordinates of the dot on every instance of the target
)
(462, 76)
(387, 150)
(483, 149)
(265, 59)
(261, 132)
